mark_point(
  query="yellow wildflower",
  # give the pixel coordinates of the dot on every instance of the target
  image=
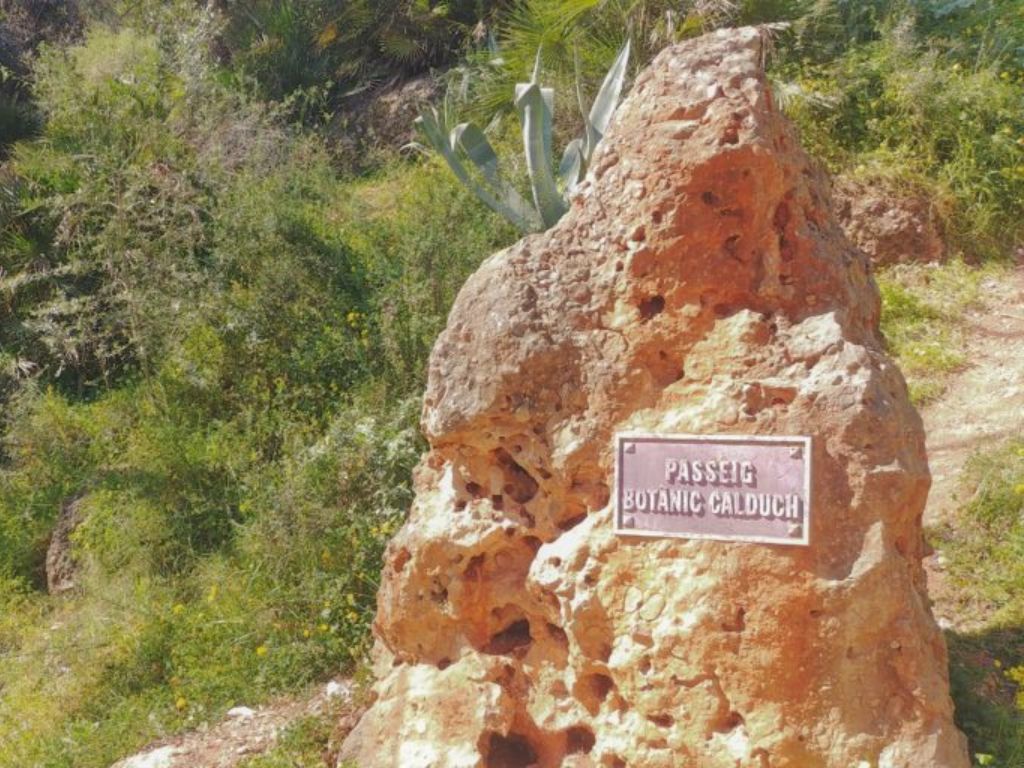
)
(181, 703)
(261, 650)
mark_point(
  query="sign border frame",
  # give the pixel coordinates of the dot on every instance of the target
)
(635, 435)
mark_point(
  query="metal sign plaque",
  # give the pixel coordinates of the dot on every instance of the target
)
(725, 487)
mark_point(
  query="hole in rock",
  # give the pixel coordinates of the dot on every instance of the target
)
(443, 664)
(599, 685)
(401, 558)
(732, 721)
(498, 502)
(519, 484)
(439, 594)
(644, 665)
(579, 740)
(556, 562)
(513, 637)
(730, 135)
(619, 266)
(475, 567)
(533, 543)
(474, 489)
(781, 217)
(710, 198)
(662, 720)
(558, 634)
(723, 310)
(657, 216)
(512, 751)
(737, 623)
(650, 307)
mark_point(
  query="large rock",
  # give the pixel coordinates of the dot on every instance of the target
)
(698, 285)
(891, 225)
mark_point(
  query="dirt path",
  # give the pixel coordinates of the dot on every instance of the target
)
(243, 734)
(985, 403)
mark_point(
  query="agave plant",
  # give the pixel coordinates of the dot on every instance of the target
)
(550, 187)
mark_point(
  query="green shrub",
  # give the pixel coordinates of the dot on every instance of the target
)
(907, 100)
(227, 378)
(922, 320)
(304, 50)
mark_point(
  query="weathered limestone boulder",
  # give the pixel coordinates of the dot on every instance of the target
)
(698, 285)
(891, 225)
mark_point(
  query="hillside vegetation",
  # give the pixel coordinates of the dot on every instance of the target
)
(214, 324)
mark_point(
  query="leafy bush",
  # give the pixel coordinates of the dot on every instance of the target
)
(906, 99)
(243, 336)
(290, 47)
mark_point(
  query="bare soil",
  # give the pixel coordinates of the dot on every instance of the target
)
(982, 407)
(984, 404)
(240, 737)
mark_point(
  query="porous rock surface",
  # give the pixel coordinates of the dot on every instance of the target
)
(892, 226)
(698, 285)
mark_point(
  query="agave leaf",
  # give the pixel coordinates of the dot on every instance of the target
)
(474, 144)
(535, 119)
(570, 171)
(431, 126)
(607, 100)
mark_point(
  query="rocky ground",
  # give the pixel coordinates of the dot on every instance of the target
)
(244, 733)
(982, 406)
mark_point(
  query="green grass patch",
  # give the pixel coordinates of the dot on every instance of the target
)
(923, 307)
(985, 552)
(304, 744)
